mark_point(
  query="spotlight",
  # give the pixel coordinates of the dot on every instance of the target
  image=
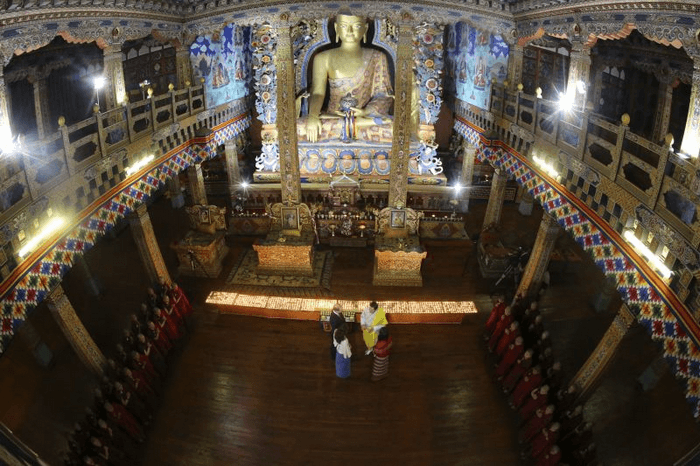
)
(98, 82)
(7, 142)
(458, 187)
(245, 184)
(566, 101)
(53, 225)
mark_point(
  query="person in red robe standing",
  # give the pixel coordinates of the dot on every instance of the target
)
(549, 458)
(123, 418)
(521, 366)
(508, 337)
(503, 323)
(531, 380)
(179, 299)
(544, 440)
(496, 313)
(167, 325)
(158, 338)
(536, 423)
(538, 399)
(514, 351)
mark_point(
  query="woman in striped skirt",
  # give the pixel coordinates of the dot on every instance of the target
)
(382, 349)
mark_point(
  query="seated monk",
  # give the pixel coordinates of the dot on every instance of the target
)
(359, 84)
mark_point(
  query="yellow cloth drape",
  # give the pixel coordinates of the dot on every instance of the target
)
(369, 335)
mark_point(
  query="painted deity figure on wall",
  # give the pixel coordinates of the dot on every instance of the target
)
(360, 85)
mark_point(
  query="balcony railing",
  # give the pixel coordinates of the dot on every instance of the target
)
(47, 163)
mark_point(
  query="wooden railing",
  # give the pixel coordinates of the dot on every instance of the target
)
(47, 163)
(633, 162)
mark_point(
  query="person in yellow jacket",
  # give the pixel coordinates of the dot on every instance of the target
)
(373, 319)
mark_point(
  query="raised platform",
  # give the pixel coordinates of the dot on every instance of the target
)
(311, 309)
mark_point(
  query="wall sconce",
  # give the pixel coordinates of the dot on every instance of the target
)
(547, 167)
(138, 165)
(652, 258)
(98, 82)
(566, 101)
(53, 225)
(8, 144)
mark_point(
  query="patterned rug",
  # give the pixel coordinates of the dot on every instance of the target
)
(244, 274)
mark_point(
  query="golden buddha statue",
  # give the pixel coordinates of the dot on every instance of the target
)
(360, 88)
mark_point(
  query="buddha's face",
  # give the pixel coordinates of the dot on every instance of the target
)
(350, 28)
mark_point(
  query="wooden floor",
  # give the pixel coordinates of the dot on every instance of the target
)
(253, 391)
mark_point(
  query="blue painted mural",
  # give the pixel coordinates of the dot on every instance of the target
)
(224, 60)
(474, 58)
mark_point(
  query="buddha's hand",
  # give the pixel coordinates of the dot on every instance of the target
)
(313, 128)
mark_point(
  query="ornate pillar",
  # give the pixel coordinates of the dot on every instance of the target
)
(597, 87)
(539, 256)
(183, 65)
(495, 205)
(287, 118)
(75, 331)
(42, 353)
(527, 202)
(195, 179)
(400, 150)
(691, 136)
(114, 88)
(515, 65)
(142, 229)
(177, 200)
(465, 178)
(663, 110)
(92, 284)
(234, 171)
(593, 368)
(4, 98)
(579, 70)
(41, 104)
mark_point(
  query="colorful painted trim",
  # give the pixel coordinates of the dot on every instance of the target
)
(652, 301)
(30, 282)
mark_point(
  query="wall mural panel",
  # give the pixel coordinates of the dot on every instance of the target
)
(474, 58)
(224, 60)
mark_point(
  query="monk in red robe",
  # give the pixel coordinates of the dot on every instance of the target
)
(516, 371)
(514, 351)
(503, 324)
(531, 380)
(508, 337)
(538, 398)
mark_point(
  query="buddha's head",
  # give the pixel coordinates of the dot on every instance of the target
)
(350, 28)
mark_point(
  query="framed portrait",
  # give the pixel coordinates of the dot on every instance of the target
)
(204, 215)
(398, 219)
(290, 220)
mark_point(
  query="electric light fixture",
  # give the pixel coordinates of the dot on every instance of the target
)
(652, 258)
(53, 225)
(139, 165)
(546, 166)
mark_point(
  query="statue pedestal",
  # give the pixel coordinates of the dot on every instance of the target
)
(397, 261)
(286, 255)
(201, 254)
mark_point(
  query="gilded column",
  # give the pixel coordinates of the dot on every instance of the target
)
(515, 65)
(195, 179)
(579, 71)
(287, 118)
(496, 196)
(465, 178)
(589, 374)
(400, 147)
(183, 65)
(539, 256)
(75, 331)
(41, 104)
(663, 110)
(146, 242)
(691, 136)
(114, 88)
(31, 338)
